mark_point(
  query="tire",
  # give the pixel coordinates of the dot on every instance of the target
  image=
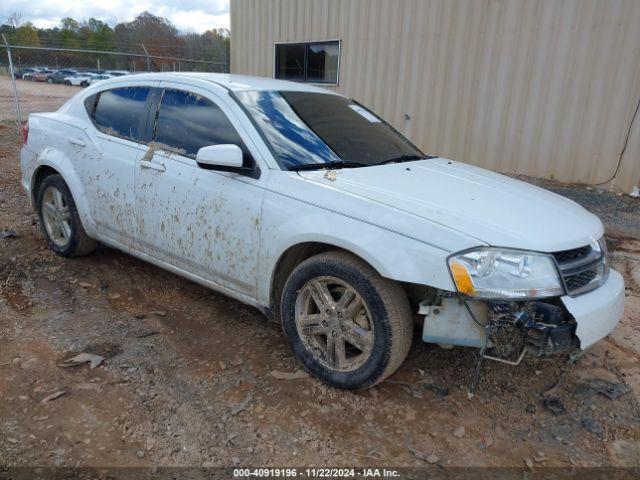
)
(67, 82)
(70, 239)
(49, 80)
(371, 335)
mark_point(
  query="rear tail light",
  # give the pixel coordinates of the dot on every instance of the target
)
(25, 131)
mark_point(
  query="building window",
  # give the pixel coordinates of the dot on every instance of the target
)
(313, 62)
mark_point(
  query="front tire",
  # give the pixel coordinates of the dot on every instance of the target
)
(347, 325)
(59, 219)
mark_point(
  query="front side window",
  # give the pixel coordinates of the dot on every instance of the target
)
(122, 112)
(307, 128)
(188, 121)
(315, 62)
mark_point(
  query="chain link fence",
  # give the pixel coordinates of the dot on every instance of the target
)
(36, 79)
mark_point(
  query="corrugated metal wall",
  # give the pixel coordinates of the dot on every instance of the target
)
(541, 87)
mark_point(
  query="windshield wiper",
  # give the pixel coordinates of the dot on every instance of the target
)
(406, 158)
(329, 165)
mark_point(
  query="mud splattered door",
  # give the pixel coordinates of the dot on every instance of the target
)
(205, 222)
(106, 160)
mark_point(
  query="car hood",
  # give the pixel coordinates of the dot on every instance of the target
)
(492, 208)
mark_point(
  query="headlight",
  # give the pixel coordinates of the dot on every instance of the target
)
(497, 273)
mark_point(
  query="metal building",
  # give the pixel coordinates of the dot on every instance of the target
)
(547, 88)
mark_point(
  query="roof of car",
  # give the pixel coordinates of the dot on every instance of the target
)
(231, 81)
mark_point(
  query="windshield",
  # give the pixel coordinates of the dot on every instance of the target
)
(306, 128)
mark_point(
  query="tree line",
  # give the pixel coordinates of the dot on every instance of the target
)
(158, 35)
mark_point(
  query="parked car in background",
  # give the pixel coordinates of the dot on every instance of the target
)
(59, 75)
(99, 77)
(308, 206)
(117, 73)
(42, 75)
(24, 72)
(79, 80)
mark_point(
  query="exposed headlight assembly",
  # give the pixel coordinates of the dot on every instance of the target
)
(499, 273)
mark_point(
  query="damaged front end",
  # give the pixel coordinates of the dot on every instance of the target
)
(510, 302)
(505, 331)
(536, 327)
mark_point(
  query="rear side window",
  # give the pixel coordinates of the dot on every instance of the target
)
(122, 112)
(90, 104)
(188, 121)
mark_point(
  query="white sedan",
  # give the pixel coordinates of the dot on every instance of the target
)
(79, 80)
(99, 77)
(308, 206)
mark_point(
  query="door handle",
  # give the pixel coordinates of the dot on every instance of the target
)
(77, 141)
(152, 166)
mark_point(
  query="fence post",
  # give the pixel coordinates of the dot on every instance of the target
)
(147, 55)
(13, 79)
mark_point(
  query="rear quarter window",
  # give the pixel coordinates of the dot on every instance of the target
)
(120, 112)
(90, 104)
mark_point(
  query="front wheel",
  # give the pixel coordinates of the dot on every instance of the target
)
(347, 325)
(60, 221)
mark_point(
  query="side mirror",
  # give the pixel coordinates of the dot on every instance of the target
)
(226, 156)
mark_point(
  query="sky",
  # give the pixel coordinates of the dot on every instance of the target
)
(186, 15)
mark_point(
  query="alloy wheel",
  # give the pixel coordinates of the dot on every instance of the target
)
(56, 216)
(334, 323)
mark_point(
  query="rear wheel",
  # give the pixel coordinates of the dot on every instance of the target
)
(60, 221)
(49, 80)
(67, 82)
(347, 325)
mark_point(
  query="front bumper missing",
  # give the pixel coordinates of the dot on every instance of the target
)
(538, 327)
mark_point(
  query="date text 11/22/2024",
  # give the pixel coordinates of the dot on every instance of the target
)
(316, 473)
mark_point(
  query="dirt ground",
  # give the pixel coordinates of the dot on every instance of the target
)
(192, 378)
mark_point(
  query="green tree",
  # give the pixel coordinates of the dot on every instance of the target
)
(100, 36)
(70, 33)
(158, 34)
(27, 35)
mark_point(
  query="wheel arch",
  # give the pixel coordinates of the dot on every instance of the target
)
(54, 162)
(286, 263)
(39, 174)
(297, 253)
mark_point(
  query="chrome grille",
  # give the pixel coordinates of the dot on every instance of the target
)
(584, 268)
